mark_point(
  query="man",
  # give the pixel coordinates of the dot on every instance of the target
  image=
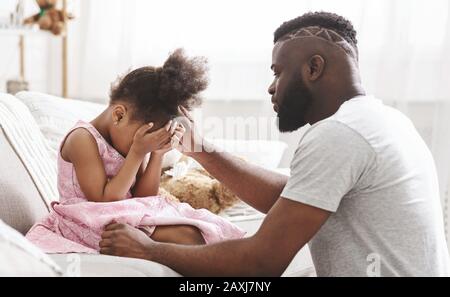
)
(363, 189)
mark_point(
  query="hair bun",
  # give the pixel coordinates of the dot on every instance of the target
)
(182, 79)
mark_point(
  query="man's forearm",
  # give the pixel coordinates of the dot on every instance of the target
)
(258, 187)
(219, 260)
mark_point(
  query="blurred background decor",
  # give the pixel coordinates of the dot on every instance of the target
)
(47, 16)
(50, 18)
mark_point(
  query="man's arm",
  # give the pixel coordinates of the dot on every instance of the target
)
(288, 227)
(258, 187)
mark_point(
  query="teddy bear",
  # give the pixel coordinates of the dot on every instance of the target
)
(198, 188)
(49, 18)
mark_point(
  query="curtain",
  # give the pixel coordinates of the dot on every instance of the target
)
(403, 43)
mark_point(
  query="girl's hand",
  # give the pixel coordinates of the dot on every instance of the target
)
(177, 131)
(145, 142)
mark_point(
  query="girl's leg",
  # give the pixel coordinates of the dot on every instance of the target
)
(187, 235)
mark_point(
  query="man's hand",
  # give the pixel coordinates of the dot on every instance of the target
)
(192, 142)
(125, 241)
(257, 186)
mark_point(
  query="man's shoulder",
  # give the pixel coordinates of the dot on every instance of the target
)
(330, 136)
(367, 117)
(377, 124)
(331, 130)
(361, 112)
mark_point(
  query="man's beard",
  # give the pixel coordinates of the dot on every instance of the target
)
(292, 110)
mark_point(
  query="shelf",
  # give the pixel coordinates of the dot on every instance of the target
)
(27, 32)
(22, 33)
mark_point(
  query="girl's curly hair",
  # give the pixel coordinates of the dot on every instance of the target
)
(155, 93)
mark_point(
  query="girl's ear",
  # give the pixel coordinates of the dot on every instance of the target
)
(119, 112)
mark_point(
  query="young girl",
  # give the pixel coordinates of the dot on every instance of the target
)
(109, 169)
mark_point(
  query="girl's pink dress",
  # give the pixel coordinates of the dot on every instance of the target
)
(75, 225)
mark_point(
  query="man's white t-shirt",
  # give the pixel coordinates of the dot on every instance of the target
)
(369, 167)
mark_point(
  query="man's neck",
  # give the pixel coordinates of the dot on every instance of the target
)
(330, 102)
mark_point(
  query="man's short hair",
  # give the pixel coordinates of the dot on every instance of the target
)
(325, 20)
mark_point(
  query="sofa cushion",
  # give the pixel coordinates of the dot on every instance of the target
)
(19, 258)
(107, 266)
(21, 205)
(29, 144)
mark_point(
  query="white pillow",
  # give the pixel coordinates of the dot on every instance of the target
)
(55, 116)
(20, 258)
(265, 153)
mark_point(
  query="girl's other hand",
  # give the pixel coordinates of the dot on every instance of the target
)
(145, 142)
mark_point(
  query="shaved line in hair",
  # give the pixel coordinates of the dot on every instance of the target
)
(328, 35)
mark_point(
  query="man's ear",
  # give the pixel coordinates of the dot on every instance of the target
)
(316, 67)
(119, 112)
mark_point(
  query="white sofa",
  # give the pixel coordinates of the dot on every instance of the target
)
(32, 126)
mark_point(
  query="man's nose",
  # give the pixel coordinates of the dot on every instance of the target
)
(272, 89)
